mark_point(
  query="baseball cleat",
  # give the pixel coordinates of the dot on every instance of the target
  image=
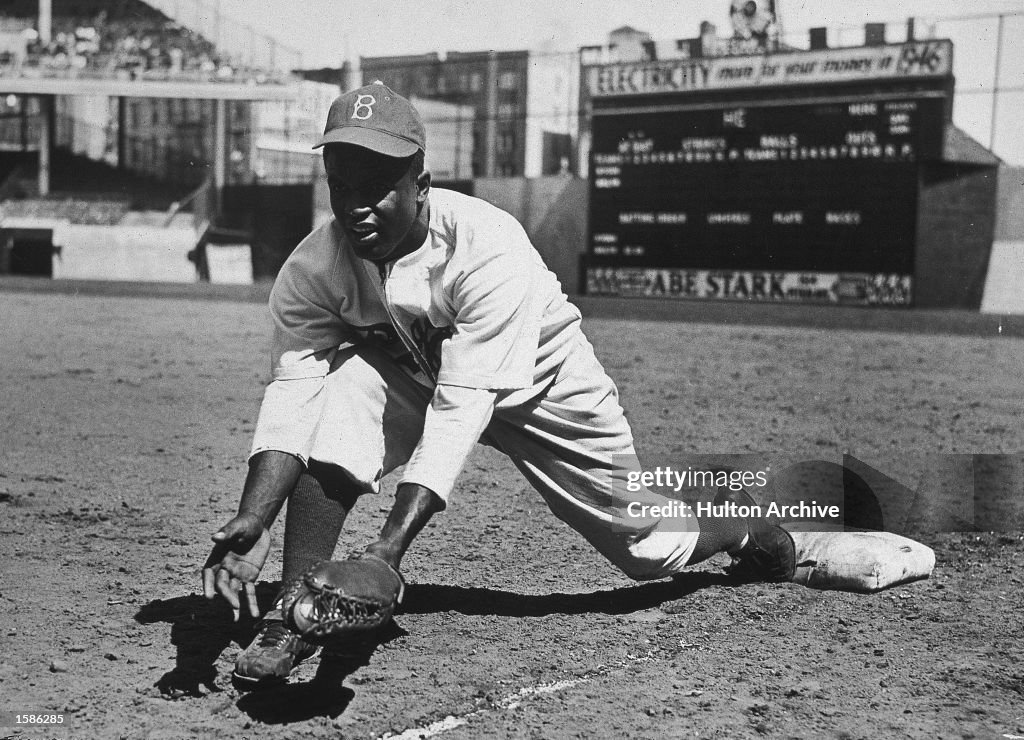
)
(272, 655)
(769, 554)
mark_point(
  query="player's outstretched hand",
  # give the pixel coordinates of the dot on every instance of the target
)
(240, 549)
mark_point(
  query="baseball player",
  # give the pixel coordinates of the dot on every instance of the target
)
(414, 324)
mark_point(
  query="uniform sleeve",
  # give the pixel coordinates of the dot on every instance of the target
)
(307, 334)
(306, 323)
(497, 316)
(454, 421)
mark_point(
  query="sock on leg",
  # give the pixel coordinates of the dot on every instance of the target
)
(317, 509)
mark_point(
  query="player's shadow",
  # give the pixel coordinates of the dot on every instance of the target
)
(324, 695)
(282, 704)
(430, 598)
(200, 631)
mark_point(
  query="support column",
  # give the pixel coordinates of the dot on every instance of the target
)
(216, 24)
(122, 131)
(45, 21)
(220, 127)
(24, 102)
(351, 74)
(995, 84)
(45, 123)
(491, 138)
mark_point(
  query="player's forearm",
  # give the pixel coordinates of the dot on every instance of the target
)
(414, 506)
(454, 422)
(272, 477)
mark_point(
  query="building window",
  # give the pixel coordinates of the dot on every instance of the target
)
(508, 81)
(475, 82)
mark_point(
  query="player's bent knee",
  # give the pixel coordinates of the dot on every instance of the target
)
(657, 554)
(337, 482)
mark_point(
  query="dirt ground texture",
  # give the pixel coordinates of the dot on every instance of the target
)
(126, 422)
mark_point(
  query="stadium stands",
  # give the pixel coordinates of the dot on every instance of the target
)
(119, 38)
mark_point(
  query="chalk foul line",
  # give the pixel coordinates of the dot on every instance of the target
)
(513, 700)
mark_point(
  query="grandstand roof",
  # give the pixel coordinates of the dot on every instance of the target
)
(185, 89)
(82, 8)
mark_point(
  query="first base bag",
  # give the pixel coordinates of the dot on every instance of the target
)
(859, 561)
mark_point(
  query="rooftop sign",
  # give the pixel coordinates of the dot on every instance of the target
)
(911, 60)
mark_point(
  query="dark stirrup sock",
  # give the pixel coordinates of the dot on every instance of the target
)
(317, 509)
(718, 534)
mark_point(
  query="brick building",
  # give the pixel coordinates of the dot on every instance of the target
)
(494, 84)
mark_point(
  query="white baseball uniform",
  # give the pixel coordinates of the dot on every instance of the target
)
(469, 335)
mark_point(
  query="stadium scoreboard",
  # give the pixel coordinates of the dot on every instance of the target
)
(775, 198)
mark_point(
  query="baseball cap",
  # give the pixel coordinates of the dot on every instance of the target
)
(375, 117)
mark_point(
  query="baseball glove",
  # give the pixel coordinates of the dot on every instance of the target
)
(342, 598)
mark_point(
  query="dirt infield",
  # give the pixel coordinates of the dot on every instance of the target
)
(126, 425)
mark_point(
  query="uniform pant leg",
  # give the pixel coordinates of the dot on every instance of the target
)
(570, 444)
(372, 416)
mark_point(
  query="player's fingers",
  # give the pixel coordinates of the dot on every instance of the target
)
(208, 584)
(225, 590)
(250, 596)
(236, 589)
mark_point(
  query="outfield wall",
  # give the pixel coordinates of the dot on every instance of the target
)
(553, 211)
(1010, 204)
(955, 227)
(1004, 283)
(124, 253)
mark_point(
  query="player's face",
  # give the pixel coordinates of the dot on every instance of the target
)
(377, 201)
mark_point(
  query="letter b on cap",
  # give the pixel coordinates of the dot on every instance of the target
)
(364, 107)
